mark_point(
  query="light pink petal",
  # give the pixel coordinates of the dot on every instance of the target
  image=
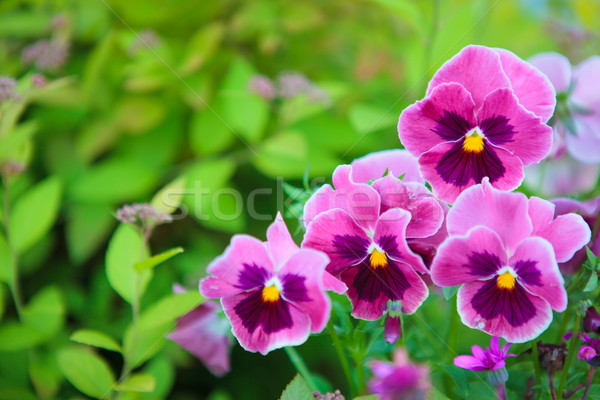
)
(537, 271)
(541, 213)
(504, 212)
(279, 242)
(477, 68)
(310, 264)
(587, 76)
(427, 247)
(523, 134)
(567, 234)
(587, 208)
(511, 179)
(334, 284)
(390, 235)
(563, 176)
(427, 214)
(419, 122)
(262, 342)
(533, 89)
(362, 201)
(333, 229)
(396, 162)
(462, 259)
(499, 326)
(556, 67)
(225, 269)
(324, 199)
(585, 144)
(469, 362)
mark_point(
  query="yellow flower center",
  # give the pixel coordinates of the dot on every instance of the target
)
(270, 293)
(378, 259)
(473, 143)
(506, 281)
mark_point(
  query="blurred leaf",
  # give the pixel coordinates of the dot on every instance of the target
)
(201, 47)
(16, 393)
(96, 65)
(143, 345)
(367, 118)
(592, 283)
(87, 228)
(163, 371)
(367, 397)
(167, 309)
(297, 389)
(209, 134)
(45, 374)
(45, 312)
(89, 373)
(458, 375)
(15, 337)
(408, 11)
(450, 291)
(23, 24)
(125, 249)
(6, 262)
(139, 114)
(169, 197)
(285, 155)
(96, 339)
(16, 138)
(137, 383)
(153, 261)
(34, 213)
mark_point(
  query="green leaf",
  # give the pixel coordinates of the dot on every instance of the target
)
(592, 283)
(297, 389)
(96, 339)
(285, 155)
(16, 138)
(140, 113)
(408, 11)
(88, 227)
(45, 374)
(15, 337)
(138, 383)
(367, 397)
(163, 371)
(125, 249)
(167, 309)
(141, 346)
(153, 261)
(591, 257)
(367, 118)
(6, 262)
(169, 197)
(34, 213)
(458, 375)
(201, 46)
(89, 373)
(45, 312)
(450, 291)
(210, 134)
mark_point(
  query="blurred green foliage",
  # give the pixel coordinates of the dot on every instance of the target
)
(154, 94)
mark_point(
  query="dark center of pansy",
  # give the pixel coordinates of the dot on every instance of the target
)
(270, 293)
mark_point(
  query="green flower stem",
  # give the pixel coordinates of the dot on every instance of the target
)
(15, 286)
(360, 375)
(339, 349)
(570, 355)
(536, 364)
(301, 367)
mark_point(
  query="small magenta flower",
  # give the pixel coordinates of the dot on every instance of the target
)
(590, 351)
(400, 380)
(490, 359)
(205, 334)
(272, 292)
(393, 323)
(143, 214)
(262, 86)
(591, 321)
(46, 54)
(483, 116)
(503, 249)
(8, 89)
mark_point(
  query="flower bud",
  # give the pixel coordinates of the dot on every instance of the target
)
(591, 321)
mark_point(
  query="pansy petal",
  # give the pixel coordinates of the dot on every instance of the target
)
(446, 114)
(518, 317)
(302, 281)
(280, 242)
(245, 255)
(585, 92)
(324, 199)
(390, 236)
(477, 68)
(503, 212)
(533, 89)
(556, 67)
(336, 234)
(462, 259)
(259, 330)
(567, 234)
(469, 362)
(584, 144)
(397, 162)
(507, 124)
(450, 170)
(541, 213)
(362, 201)
(536, 268)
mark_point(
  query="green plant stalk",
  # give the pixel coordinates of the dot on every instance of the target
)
(536, 364)
(301, 367)
(337, 344)
(360, 375)
(570, 356)
(15, 286)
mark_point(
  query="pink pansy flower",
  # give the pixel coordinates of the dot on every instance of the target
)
(205, 334)
(590, 351)
(578, 110)
(352, 193)
(363, 229)
(272, 292)
(503, 248)
(490, 359)
(483, 116)
(589, 210)
(400, 380)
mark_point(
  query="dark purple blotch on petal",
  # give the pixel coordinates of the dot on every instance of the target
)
(294, 288)
(371, 282)
(272, 316)
(350, 247)
(458, 167)
(483, 264)
(513, 304)
(389, 245)
(497, 129)
(528, 273)
(451, 126)
(252, 276)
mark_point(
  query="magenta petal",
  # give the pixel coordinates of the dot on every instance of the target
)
(393, 329)
(324, 199)
(533, 89)
(536, 268)
(469, 362)
(499, 325)
(586, 353)
(556, 67)
(446, 114)
(225, 270)
(396, 162)
(279, 242)
(462, 259)
(503, 212)
(477, 68)
(507, 124)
